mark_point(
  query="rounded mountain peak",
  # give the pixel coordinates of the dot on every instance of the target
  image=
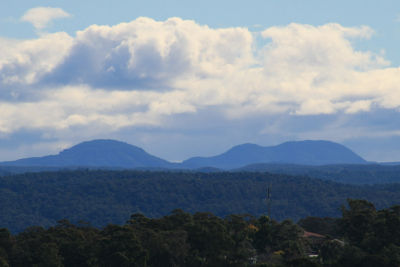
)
(105, 145)
(109, 153)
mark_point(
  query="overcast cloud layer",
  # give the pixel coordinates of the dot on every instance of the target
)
(154, 82)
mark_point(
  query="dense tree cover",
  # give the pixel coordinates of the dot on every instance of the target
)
(103, 197)
(366, 237)
(10, 170)
(345, 173)
(371, 237)
(179, 239)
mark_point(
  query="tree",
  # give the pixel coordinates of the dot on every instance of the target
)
(120, 247)
(357, 221)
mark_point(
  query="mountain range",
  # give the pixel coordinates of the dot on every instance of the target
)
(116, 154)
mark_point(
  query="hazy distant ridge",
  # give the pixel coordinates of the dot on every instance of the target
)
(111, 153)
(300, 152)
(97, 153)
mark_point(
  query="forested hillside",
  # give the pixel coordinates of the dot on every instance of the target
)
(102, 197)
(345, 173)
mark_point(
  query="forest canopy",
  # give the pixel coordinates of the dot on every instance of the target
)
(102, 197)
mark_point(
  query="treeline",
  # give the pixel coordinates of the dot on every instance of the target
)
(362, 237)
(179, 239)
(103, 197)
(345, 173)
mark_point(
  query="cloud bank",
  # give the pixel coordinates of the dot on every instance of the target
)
(148, 73)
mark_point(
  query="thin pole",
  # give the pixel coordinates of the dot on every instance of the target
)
(269, 200)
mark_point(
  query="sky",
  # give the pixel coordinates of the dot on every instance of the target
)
(194, 78)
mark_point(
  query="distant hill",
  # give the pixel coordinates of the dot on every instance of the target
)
(97, 153)
(300, 152)
(115, 154)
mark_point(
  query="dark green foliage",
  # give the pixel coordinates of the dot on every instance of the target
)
(103, 197)
(358, 220)
(346, 173)
(278, 238)
(179, 239)
(371, 237)
(302, 262)
(7, 243)
(203, 239)
(119, 246)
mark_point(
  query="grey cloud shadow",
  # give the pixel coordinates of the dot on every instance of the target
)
(113, 66)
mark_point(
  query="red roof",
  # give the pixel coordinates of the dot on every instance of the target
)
(310, 234)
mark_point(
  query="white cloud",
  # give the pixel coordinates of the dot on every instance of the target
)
(40, 17)
(147, 53)
(144, 72)
(24, 62)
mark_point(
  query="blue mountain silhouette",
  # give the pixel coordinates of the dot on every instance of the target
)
(296, 152)
(116, 154)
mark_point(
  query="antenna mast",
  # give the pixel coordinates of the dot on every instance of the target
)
(269, 200)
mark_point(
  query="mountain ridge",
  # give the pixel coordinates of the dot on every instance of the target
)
(117, 154)
(96, 153)
(307, 152)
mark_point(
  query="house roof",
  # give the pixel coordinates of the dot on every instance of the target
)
(311, 234)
